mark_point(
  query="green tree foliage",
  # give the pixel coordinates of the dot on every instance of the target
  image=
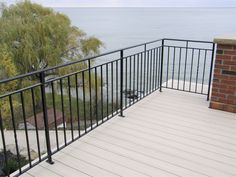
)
(33, 37)
(7, 69)
(39, 37)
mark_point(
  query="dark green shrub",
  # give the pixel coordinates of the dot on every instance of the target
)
(12, 162)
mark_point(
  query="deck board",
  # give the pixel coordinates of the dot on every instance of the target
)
(166, 134)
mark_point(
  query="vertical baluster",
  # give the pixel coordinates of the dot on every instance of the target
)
(173, 69)
(185, 64)
(70, 109)
(138, 79)
(144, 70)
(141, 76)
(15, 134)
(117, 90)
(204, 68)
(55, 115)
(45, 115)
(157, 69)
(121, 82)
(36, 123)
(84, 103)
(63, 111)
(167, 72)
(134, 77)
(191, 70)
(180, 50)
(112, 89)
(90, 94)
(126, 81)
(26, 128)
(161, 63)
(147, 75)
(96, 94)
(210, 75)
(199, 54)
(77, 103)
(130, 79)
(150, 76)
(102, 92)
(107, 83)
(154, 69)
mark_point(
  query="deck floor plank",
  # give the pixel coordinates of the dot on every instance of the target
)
(166, 134)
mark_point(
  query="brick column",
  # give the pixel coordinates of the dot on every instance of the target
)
(223, 95)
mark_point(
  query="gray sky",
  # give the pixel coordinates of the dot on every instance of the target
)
(133, 3)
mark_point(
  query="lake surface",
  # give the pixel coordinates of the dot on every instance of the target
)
(122, 27)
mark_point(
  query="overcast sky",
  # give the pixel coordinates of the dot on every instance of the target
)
(133, 3)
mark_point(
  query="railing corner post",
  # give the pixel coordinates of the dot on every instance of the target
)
(211, 70)
(121, 82)
(45, 116)
(162, 58)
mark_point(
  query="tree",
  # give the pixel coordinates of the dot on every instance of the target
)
(39, 37)
(7, 69)
(33, 37)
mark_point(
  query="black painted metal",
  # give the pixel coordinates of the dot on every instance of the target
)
(211, 68)
(63, 112)
(96, 95)
(26, 129)
(128, 80)
(70, 109)
(102, 112)
(90, 94)
(45, 116)
(15, 134)
(77, 102)
(185, 63)
(36, 122)
(180, 52)
(204, 70)
(162, 58)
(121, 82)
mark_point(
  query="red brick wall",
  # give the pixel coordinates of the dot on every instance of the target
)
(223, 96)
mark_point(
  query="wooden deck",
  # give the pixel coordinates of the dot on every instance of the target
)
(166, 134)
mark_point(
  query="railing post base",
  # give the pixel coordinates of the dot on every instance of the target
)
(49, 161)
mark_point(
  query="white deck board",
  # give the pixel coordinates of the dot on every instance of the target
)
(166, 134)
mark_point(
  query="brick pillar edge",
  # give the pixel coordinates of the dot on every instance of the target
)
(223, 93)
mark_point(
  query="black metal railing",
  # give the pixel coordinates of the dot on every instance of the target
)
(188, 65)
(49, 109)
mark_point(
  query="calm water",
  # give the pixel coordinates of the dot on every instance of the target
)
(121, 27)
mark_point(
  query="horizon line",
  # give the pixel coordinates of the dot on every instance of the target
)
(138, 7)
(132, 6)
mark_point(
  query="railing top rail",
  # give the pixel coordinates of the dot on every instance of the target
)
(197, 48)
(74, 62)
(93, 57)
(184, 40)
